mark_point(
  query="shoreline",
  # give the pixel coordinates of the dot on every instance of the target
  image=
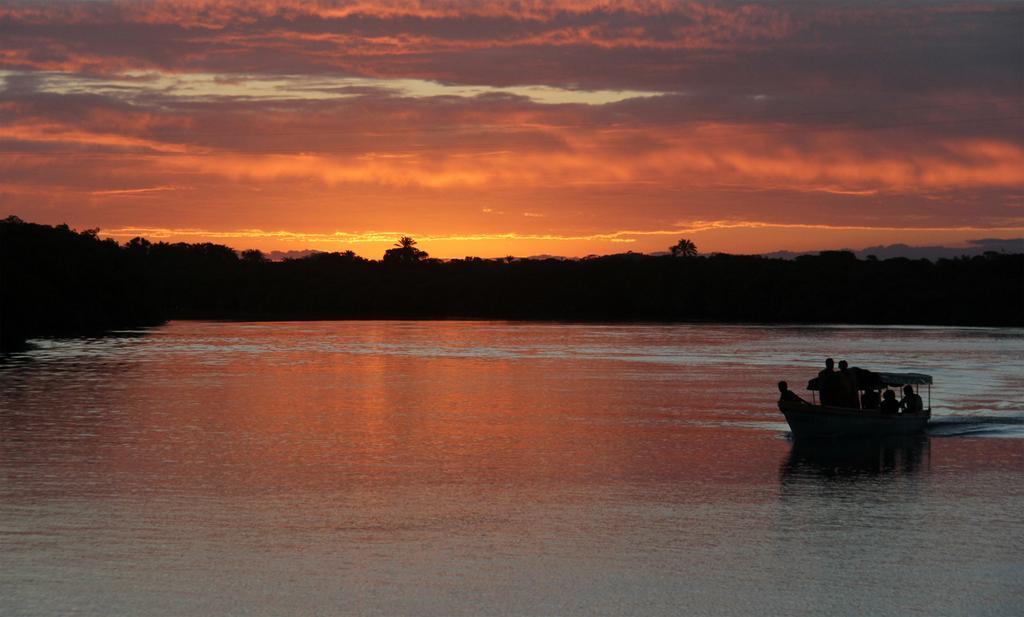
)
(55, 281)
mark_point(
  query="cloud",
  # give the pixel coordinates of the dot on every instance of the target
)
(568, 158)
(65, 135)
(594, 113)
(705, 156)
(643, 45)
(138, 191)
(385, 139)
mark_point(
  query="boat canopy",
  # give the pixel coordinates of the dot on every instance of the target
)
(871, 379)
(902, 379)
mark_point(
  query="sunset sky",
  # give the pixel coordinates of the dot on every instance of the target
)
(516, 128)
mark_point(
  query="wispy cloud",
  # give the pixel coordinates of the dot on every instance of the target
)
(137, 191)
(186, 87)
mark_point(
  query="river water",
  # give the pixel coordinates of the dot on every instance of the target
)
(491, 468)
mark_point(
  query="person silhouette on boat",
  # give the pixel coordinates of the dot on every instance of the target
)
(785, 394)
(911, 402)
(827, 382)
(870, 399)
(889, 403)
(846, 387)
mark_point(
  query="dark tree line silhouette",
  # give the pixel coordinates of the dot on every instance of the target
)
(55, 281)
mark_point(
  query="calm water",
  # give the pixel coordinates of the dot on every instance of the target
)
(473, 468)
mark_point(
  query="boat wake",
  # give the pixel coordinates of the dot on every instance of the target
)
(977, 426)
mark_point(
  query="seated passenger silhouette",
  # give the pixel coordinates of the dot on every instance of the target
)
(870, 399)
(911, 402)
(785, 394)
(889, 403)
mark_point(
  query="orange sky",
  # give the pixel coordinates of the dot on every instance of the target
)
(569, 127)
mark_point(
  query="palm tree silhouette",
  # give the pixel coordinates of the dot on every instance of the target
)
(684, 248)
(405, 251)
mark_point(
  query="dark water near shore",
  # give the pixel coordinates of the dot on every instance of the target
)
(474, 468)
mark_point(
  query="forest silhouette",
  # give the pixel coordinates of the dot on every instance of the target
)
(55, 281)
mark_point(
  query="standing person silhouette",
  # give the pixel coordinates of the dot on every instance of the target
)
(846, 382)
(826, 382)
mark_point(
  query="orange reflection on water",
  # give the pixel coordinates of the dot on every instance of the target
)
(384, 467)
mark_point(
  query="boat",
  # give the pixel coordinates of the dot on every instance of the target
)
(814, 420)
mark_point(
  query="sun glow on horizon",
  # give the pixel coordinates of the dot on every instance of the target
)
(714, 236)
